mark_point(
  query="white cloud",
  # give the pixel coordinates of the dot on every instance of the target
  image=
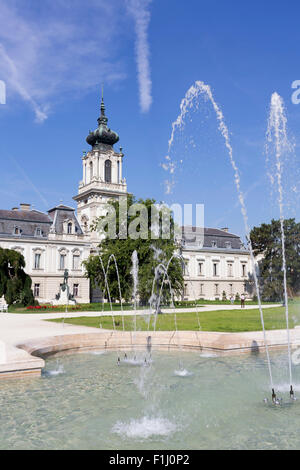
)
(139, 11)
(48, 49)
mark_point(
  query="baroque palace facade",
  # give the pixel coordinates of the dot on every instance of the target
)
(59, 239)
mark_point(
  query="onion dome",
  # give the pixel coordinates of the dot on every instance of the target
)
(102, 135)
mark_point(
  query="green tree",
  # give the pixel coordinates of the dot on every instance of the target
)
(266, 240)
(151, 252)
(15, 284)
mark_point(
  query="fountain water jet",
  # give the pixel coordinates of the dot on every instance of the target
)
(277, 134)
(112, 257)
(135, 275)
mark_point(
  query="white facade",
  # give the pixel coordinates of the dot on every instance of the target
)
(208, 274)
(47, 257)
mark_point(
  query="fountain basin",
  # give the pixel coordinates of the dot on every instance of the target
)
(26, 357)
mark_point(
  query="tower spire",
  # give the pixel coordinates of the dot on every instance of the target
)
(102, 135)
(102, 107)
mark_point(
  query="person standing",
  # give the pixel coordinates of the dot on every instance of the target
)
(232, 299)
(243, 301)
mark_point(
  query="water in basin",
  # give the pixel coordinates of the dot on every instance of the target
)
(86, 401)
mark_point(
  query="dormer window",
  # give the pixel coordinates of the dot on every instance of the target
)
(69, 228)
(228, 245)
(38, 232)
(17, 231)
(214, 244)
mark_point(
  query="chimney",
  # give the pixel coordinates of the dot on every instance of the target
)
(24, 207)
(225, 229)
(15, 209)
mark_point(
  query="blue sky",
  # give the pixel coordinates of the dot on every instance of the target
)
(55, 54)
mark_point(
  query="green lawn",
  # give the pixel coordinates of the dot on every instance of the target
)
(222, 320)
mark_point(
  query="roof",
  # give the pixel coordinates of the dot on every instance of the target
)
(29, 216)
(28, 221)
(60, 215)
(210, 238)
(61, 207)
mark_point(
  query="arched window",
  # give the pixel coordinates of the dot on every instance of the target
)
(107, 171)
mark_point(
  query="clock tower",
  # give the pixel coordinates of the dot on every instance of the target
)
(102, 177)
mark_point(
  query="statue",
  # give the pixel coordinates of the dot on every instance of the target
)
(66, 277)
(64, 297)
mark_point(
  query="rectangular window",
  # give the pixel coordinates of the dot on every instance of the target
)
(216, 289)
(186, 290)
(37, 261)
(76, 262)
(36, 290)
(62, 260)
(200, 269)
(201, 289)
(75, 290)
(185, 268)
(243, 270)
(231, 288)
(215, 269)
(229, 269)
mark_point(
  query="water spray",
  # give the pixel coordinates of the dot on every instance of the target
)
(195, 91)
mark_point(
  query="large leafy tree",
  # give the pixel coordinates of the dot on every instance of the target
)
(266, 240)
(15, 284)
(151, 252)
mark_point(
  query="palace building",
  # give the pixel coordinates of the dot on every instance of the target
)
(61, 239)
(216, 261)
